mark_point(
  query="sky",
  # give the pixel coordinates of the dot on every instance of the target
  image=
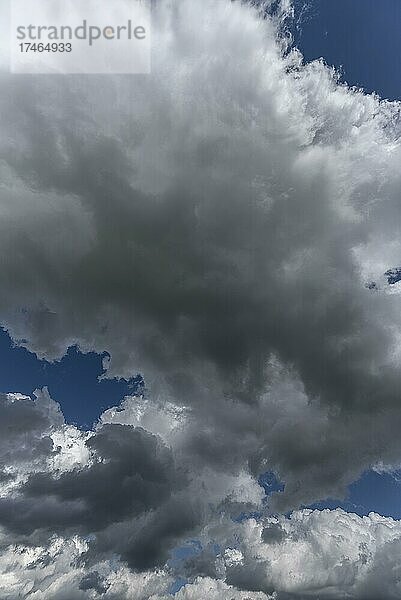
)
(359, 37)
(214, 228)
(75, 380)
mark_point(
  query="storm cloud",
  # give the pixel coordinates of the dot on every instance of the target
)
(213, 226)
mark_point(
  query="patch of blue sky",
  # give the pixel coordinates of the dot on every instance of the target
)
(373, 492)
(75, 381)
(177, 585)
(361, 38)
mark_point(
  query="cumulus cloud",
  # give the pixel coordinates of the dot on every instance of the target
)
(106, 524)
(98, 513)
(329, 554)
(224, 213)
(213, 226)
(56, 572)
(125, 487)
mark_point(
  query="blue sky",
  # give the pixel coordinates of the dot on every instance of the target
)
(373, 492)
(362, 37)
(74, 381)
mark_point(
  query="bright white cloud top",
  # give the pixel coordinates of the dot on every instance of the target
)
(214, 227)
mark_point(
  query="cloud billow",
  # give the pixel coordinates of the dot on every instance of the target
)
(211, 226)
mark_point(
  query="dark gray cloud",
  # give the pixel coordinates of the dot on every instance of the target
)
(273, 534)
(147, 543)
(93, 581)
(131, 476)
(25, 429)
(132, 472)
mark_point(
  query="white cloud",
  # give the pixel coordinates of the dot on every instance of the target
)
(326, 554)
(217, 590)
(54, 572)
(309, 554)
